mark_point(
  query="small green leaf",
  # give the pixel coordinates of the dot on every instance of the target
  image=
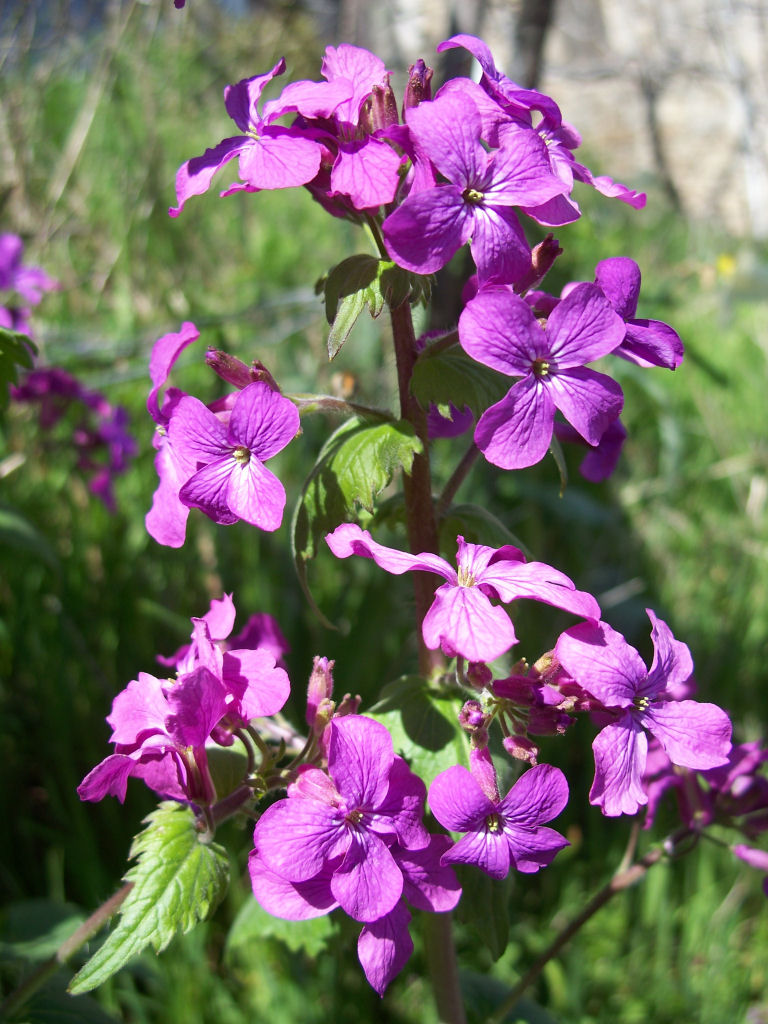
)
(177, 882)
(355, 464)
(424, 725)
(16, 350)
(452, 378)
(361, 281)
(253, 924)
(557, 453)
(477, 526)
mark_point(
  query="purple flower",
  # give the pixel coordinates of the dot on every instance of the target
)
(693, 735)
(474, 203)
(346, 821)
(560, 138)
(270, 155)
(501, 833)
(600, 461)
(229, 480)
(647, 342)
(159, 728)
(499, 329)
(462, 619)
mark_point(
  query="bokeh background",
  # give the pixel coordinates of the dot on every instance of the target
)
(99, 104)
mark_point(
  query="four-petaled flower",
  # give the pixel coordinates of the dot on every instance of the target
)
(694, 735)
(462, 619)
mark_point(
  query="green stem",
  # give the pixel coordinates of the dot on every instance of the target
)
(68, 948)
(457, 479)
(623, 879)
(443, 968)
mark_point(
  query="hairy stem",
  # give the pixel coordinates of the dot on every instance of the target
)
(68, 948)
(623, 879)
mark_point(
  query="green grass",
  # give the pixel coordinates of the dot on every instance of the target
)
(87, 599)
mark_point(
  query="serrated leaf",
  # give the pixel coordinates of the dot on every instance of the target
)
(424, 725)
(484, 907)
(361, 281)
(253, 924)
(452, 378)
(178, 881)
(354, 465)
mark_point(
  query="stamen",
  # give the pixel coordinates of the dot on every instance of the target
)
(471, 195)
(242, 455)
(493, 823)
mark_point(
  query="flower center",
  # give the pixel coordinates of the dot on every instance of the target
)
(642, 703)
(540, 367)
(354, 817)
(493, 823)
(465, 577)
(242, 455)
(472, 196)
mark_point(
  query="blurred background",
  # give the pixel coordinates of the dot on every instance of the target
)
(99, 104)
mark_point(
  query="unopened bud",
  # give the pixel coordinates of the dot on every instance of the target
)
(234, 371)
(349, 705)
(320, 686)
(472, 716)
(419, 85)
(522, 748)
(478, 675)
(383, 107)
(543, 257)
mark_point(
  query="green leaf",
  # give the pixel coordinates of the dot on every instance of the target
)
(484, 907)
(354, 465)
(16, 350)
(34, 929)
(452, 378)
(253, 924)
(557, 453)
(424, 725)
(477, 526)
(361, 281)
(177, 882)
(18, 533)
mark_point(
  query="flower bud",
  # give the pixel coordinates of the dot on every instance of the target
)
(320, 687)
(234, 371)
(543, 257)
(472, 716)
(383, 107)
(522, 748)
(419, 85)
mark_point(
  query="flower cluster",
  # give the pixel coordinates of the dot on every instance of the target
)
(352, 837)
(18, 282)
(161, 727)
(212, 457)
(99, 434)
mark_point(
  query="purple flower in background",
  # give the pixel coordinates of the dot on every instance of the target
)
(345, 822)
(474, 203)
(499, 329)
(693, 735)
(647, 342)
(229, 480)
(28, 283)
(600, 461)
(501, 833)
(462, 619)
(269, 155)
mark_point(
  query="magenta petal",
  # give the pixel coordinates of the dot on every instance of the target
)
(208, 489)
(360, 67)
(367, 172)
(262, 420)
(499, 329)
(620, 753)
(487, 850)
(428, 228)
(651, 343)
(539, 582)
(165, 352)
(293, 901)
(583, 327)
(241, 99)
(427, 884)
(108, 778)
(463, 621)
(349, 539)
(220, 617)
(196, 703)
(619, 280)
(166, 521)
(368, 883)
(254, 494)
(138, 711)
(279, 158)
(589, 400)
(498, 244)
(401, 812)
(384, 947)
(457, 801)
(533, 848)
(360, 758)
(447, 131)
(516, 432)
(672, 662)
(297, 837)
(196, 433)
(261, 688)
(540, 794)
(694, 735)
(602, 662)
(195, 176)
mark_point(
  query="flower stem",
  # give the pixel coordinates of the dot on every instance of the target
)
(68, 948)
(457, 479)
(443, 968)
(623, 879)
